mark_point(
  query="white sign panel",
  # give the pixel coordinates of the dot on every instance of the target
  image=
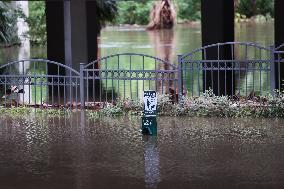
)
(150, 103)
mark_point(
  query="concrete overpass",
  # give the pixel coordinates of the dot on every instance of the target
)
(72, 29)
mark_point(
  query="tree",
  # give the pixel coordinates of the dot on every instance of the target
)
(106, 11)
(189, 9)
(251, 8)
(133, 12)
(265, 7)
(7, 24)
(36, 22)
(163, 15)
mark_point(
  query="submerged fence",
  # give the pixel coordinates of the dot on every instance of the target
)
(232, 68)
(39, 82)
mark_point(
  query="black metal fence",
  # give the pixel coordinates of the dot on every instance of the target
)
(231, 68)
(39, 83)
(124, 76)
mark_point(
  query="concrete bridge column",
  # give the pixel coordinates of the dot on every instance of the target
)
(217, 22)
(55, 33)
(72, 30)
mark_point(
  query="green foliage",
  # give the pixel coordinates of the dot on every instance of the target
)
(4, 23)
(165, 105)
(207, 105)
(222, 106)
(137, 12)
(122, 107)
(37, 22)
(131, 12)
(265, 7)
(189, 9)
(251, 8)
(8, 20)
(245, 7)
(106, 10)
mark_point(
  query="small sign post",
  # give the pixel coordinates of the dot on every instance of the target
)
(149, 120)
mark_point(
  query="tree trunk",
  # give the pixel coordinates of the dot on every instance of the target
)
(162, 15)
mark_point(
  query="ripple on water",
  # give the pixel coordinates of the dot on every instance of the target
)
(187, 151)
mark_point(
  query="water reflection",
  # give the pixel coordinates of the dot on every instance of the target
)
(167, 44)
(68, 152)
(151, 161)
(164, 42)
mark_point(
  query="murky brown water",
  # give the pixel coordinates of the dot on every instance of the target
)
(72, 152)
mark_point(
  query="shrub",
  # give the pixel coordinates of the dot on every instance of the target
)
(189, 9)
(131, 12)
(207, 104)
(8, 22)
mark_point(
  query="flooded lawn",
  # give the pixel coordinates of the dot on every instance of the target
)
(74, 152)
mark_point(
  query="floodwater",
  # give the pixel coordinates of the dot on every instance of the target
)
(74, 152)
(165, 44)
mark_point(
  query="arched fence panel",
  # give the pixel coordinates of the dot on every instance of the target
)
(127, 75)
(39, 83)
(232, 68)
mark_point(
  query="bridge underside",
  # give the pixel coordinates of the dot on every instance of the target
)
(72, 30)
(218, 27)
(73, 27)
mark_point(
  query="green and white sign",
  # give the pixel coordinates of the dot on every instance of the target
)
(150, 103)
(149, 125)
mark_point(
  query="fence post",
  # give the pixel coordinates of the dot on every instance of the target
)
(82, 88)
(272, 70)
(180, 79)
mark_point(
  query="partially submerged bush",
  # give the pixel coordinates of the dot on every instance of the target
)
(121, 107)
(208, 104)
(165, 105)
